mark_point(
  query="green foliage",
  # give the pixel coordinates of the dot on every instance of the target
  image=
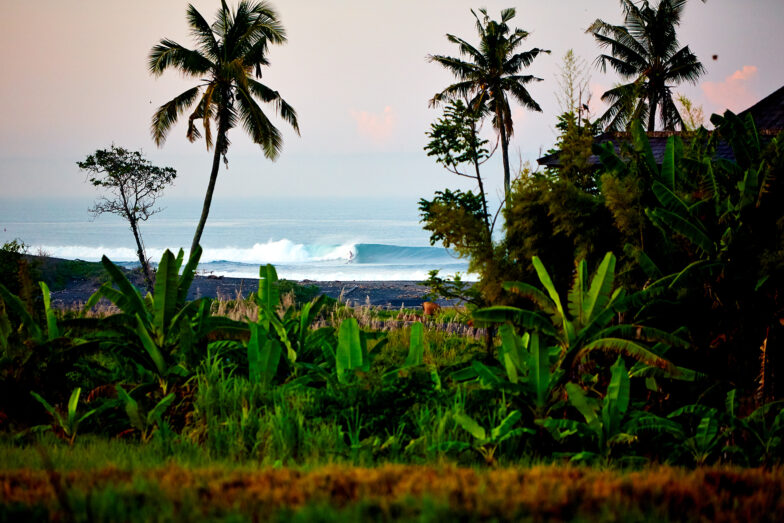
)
(166, 331)
(70, 420)
(645, 51)
(145, 422)
(491, 75)
(585, 325)
(605, 422)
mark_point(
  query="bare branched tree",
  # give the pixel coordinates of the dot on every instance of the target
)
(133, 185)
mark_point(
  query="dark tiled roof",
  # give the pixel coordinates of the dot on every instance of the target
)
(768, 113)
(768, 116)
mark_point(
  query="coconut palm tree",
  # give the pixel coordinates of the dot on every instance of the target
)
(228, 54)
(645, 50)
(490, 74)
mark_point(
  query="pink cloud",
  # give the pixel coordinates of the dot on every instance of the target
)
(735, 92)
(377, 127)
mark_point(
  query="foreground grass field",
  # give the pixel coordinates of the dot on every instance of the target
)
(390, 492)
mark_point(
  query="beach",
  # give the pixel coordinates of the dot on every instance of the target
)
(387, 294)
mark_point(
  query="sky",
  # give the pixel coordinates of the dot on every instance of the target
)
(75, 80)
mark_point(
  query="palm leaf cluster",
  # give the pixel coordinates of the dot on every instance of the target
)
(646, 53)
(229, 53)
(491, 73)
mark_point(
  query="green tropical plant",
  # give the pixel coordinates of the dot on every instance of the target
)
(145, 423)
(586, 324)
(165, 331)
(646, 51)
(605, 423)
(351, 354)
(70, 420)
(711, 233)
(229, 52)
(485, 441)
(491, 71)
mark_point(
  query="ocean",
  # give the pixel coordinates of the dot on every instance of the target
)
(313, 239)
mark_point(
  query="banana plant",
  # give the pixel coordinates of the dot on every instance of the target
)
(164, 328)
(605, 423)
(34, 333)
(485, 441)
(767, 437)
(145, 423)
(70, 420)
(351, 355)
(263, 356)
(292, 327)
(585, 324)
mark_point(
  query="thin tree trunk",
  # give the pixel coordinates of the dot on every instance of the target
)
(505, 154)
(142, 255)
(653, 103)
(205, 211)
(479, 180)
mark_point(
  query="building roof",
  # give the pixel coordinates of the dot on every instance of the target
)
(768, 116)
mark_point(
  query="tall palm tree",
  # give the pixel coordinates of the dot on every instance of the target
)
(646, 51)
(228, 53)
(491, 71)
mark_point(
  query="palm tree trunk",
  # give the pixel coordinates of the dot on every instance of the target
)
(653, 102)
(505, 155)
(205, 210)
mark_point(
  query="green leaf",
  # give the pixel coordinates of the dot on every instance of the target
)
(254, 354)
(132, 409)
(51, 321)
(149, 345)
(511, 352)
(128, 299)
(525, 319)
(578, 293)
(270, 358)
(547, 283)
(349, 352)
(154, 416)
(668, 163)
(687, 228)
(165, 295)
(601, 285)
(269, 293)
(539, 371)
(73, 405)
(17, 307)
(416, 346)
(505, 427)
(616, 401)
(471, 426)
(586, 406)
(188, 273)
(631, 349)
(485, 374)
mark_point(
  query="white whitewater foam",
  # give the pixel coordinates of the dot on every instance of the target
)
(280, 251)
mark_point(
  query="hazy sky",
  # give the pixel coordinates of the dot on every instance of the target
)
(75, 79)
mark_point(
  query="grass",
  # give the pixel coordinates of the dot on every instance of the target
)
(146, 488)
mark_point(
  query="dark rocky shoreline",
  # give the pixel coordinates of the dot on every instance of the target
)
(389, 294)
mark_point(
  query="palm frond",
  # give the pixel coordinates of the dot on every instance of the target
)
(628, 348)
(202, 32)
(171, 54)
(167, 114)
(283, 109)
